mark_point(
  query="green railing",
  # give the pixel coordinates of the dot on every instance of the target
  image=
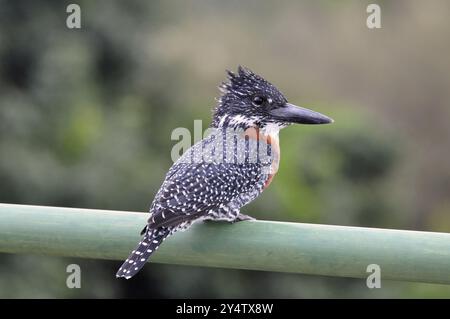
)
(258, 245)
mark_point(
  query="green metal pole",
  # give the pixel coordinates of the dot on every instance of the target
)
(259, 245)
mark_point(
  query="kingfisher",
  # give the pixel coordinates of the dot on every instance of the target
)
(226, 170)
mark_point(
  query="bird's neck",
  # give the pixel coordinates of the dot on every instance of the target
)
(237, 122)
(266, 131)
(271, 129)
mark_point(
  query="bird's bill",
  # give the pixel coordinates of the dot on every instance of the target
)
(291, 113)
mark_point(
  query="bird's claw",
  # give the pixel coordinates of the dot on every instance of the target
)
(243, 217)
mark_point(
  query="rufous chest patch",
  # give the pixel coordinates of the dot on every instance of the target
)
(273, 141)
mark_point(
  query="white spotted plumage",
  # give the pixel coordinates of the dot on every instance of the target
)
(204, 186)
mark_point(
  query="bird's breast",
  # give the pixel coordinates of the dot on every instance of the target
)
(272, 140)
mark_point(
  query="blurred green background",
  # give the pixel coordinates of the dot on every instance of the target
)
(86, 118)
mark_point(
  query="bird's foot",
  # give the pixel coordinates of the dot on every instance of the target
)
(229, 219)
(243, 217)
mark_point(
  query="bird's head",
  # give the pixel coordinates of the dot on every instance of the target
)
(247, 100)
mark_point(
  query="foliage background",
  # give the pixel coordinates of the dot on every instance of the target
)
(86, 117)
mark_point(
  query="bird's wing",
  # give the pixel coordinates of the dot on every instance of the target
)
(192, 190)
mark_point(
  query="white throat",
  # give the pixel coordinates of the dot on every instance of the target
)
(271, 129)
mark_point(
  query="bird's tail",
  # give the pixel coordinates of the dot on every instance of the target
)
(138, 257)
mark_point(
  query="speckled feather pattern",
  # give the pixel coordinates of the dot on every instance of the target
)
(211, 182)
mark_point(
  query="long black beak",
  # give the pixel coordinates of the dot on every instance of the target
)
(291, 113)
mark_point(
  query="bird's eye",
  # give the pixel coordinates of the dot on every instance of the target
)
(258, 100)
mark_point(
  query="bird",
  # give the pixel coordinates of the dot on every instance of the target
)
(226, 170)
